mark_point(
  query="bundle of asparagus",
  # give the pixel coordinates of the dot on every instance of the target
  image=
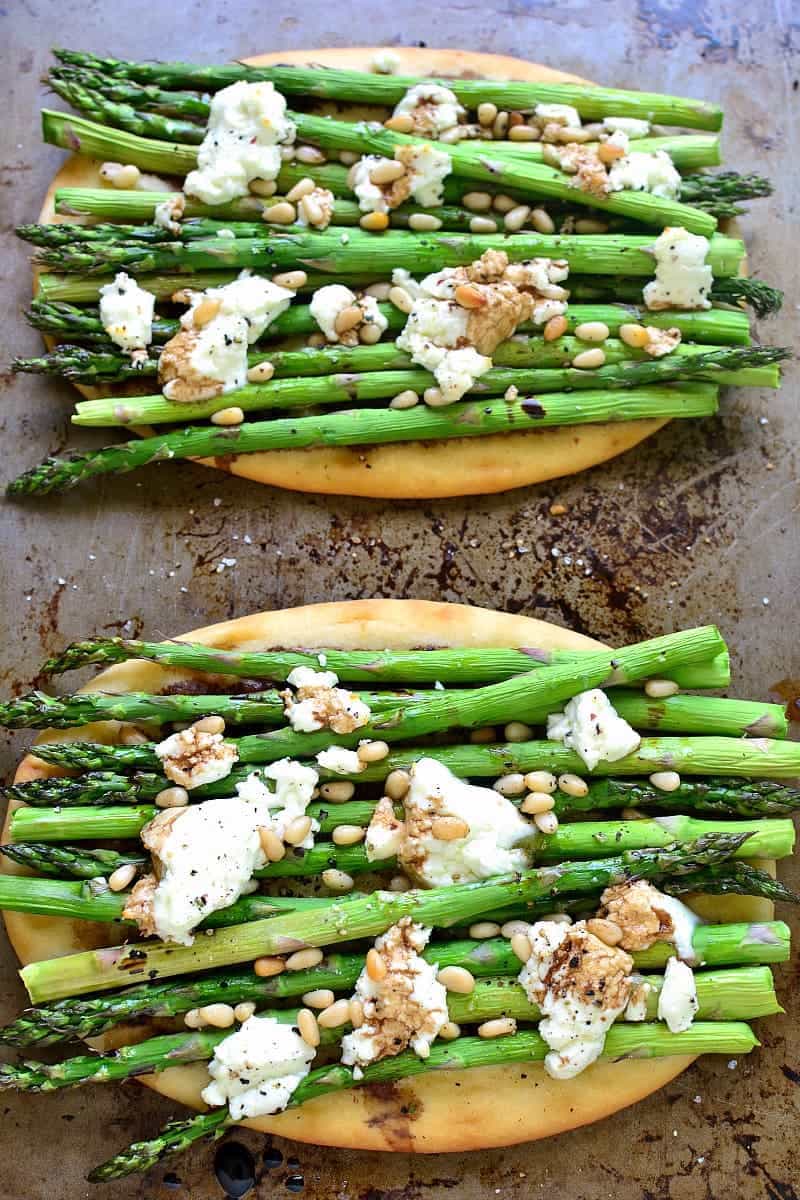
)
(85, 835)
(464, 172)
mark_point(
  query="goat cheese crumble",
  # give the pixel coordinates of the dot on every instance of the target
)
(330, 301)
(193, 757)
(677, 1000)
(424, 170)
(407, 1007)
(167, 215)
(340, 761)
(433, 108)
(645, 915)
(631, 126)
(126, 312)
(558, 114)
(592, 727)
(294, 790)
(256, 1070)
(385, 62)
(247, 125)
(638, 172)
(319, 704)
(682, 277)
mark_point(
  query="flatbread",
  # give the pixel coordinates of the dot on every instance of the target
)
(452, 1111)
(415, 470)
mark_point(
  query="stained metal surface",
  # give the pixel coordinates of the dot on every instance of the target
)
(698, 524)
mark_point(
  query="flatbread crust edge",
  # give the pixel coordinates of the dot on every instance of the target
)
(436, 1113)
(416, 470)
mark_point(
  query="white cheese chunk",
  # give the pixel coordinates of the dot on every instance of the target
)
(632, 126)
(434, 108)
(638, 172)
(168, 213)
(332, 299)
(385, 61)
(256, 1070)
(558, 114)
(646, 916)
(431, 336)
(340, 760)
(371, 197)
(258, 301)
(683, 280)
(320, 704)
(294, 790)
(385, 834)
(247, 125)
(592, 727)
(636, 1008)
(193, 757)
(126, 312)
(219, 352)
(407, 1007)
(677, 1000)
(428, 169)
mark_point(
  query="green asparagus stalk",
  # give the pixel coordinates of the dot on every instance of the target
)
(361, 917)
(370, 427)
(369, 88)
(737, 879)
(71, 862)
(124, 116)
(149, 98)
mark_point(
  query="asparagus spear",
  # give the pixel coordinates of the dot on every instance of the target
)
(389, 89)
(124, 116)
(361, 917)
(150, 98)
(365, 427)
(679, 713)
(714, 945)
(736, 878)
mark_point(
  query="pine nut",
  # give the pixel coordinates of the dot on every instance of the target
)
(499, 1027)
(311, 211)
(546, 822)
(588, 359)
(477, 201)
(517, 731)
(310, 155)
(633, 814)
(451, 136)
(457, 979)
(337, 881)
(244, 1010)
(434, 397)
(291, 280)
(378, 291)
(287, 154)
(522, 133)
(666, 781)
(348, 318)
(302, 960)
(537, 802)
(521, 946)
(515, 219)
(397, 784)
(297, 831)
(266, 967)
(484, 929)
(659, 689)
(348, 157)
(338, 792)
(540, 781)
(635, 336)
(401, 123)
(483, 735)
(316, 341)
(210, 725)
(406, 399)
(551, 156)
(374, 222)
(318, 998)
(356, 1013)
(500, 124)
(399, 883)
(503, 203)
(592, 331)
(450, 1031)
(556, 327)
(607, 931)
(487, 113)
(302, 188)
(386, 171)
(118, 880)
(400, 298)
(541, 221)
(261, 373)
(556, 918)
(308, 1028)
(369, 333)
(221, 1016)
(282, 213)
(271, 844)
(510, 785)
(376, 967)
(263, 187)
(469, 296)
(482, 225)
(370, 752)
(608, 153)
(348, 835)
(587, 225)
(172, 797)
(334, 1015)
(449, 829)
(424, 223)
(193, 1020)
(557, 510)
(573, 785)
(228, 416)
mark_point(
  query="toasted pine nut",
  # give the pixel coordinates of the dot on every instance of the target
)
(397, 784)
(424, 223)
(450, 1031)
(302, 188)
(307, 1027)
(503, 204)
(557, 510)
(348, 835)
(541, 221)
(212, 724)
(261, 373)
(318, 998)
(400, 298)
(301, 960)
(334, 1015)
(517, 731)
(267, 966)
(370, 752)
(311, 211)
(499, 1027)
(522, 133)
(310, 155)
(348, 318)
(399, 883)
(386, 171)
(521, 946)
(317, 341)
(468, 296)
(592, 331)
(484, 929)
(120, 175)
(291, 280)
(666, 781)
(271, 844)
(483, 735)
(374, 222)
(193, 1020)
(487, 113)
(244, 1010)
(457, 979)
(348, 157)
(556, 918)
(297, 831)
(556, 327)
(515, 219)
(434, 397)
(608, 153)
(401, 123)
(537, 802)
(659, 689)
(118, 880)
(172, 797)
(510, 785)
(228, 416)
(406, 399)
(337, 881)
(356, 1013)
(205, 311)
(282, 213)
(378, 291)
(541, 781)
(449, 829)
(376, 967)
(607, 931)
(369, 333)
(482, 225)
(337, 792)
(635, 336)
(546, 822)
(263, 187)
(588, 359)
(477, 201)
(500, 124)
(550, 155)
(633, 814)
(587, 225)
(219, 1015)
